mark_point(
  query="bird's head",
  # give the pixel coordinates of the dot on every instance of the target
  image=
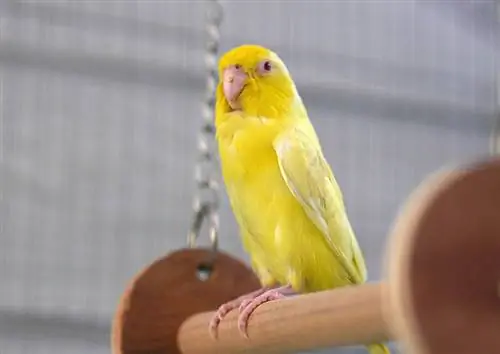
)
(254, 80)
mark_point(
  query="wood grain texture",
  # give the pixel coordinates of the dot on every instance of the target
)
(346, 316)
(167, 292)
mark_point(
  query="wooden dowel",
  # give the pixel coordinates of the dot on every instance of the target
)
(345, 316)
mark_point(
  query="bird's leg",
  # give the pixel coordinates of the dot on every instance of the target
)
(248, 306)
(224, 309)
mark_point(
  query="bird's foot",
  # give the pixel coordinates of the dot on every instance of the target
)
(249, 305)
(224, 309)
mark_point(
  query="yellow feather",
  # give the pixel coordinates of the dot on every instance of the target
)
(284, 196)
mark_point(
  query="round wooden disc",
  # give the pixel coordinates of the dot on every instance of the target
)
(444, 265)
(167, 292)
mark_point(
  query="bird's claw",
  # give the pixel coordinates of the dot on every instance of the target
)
(248, 306)
(244, 304)
(224, 309)
(221, 312)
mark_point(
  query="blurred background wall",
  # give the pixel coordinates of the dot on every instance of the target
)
(100, 107)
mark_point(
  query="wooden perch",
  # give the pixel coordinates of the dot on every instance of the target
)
(347, 316)
(441, 295)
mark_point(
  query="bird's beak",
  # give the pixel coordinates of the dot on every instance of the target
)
(234, 81)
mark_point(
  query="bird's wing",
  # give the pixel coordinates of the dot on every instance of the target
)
(311, 181)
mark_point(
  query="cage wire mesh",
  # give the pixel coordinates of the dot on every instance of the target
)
(100, 107)
(495, 135)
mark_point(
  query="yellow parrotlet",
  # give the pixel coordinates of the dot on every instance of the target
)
(282, 191)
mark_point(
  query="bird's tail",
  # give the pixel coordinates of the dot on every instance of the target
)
(378, 349)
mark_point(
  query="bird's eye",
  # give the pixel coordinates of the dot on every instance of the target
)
(264, 67)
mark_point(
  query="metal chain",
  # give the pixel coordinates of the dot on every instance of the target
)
(206, 200)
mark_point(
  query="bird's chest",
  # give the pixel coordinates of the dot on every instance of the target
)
(250, 168)
(252, 176)
(246, 150)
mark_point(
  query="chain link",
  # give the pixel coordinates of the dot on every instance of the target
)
(206, 200)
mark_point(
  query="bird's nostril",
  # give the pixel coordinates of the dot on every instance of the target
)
(237, 66)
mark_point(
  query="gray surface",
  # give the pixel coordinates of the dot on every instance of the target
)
(100, 109)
